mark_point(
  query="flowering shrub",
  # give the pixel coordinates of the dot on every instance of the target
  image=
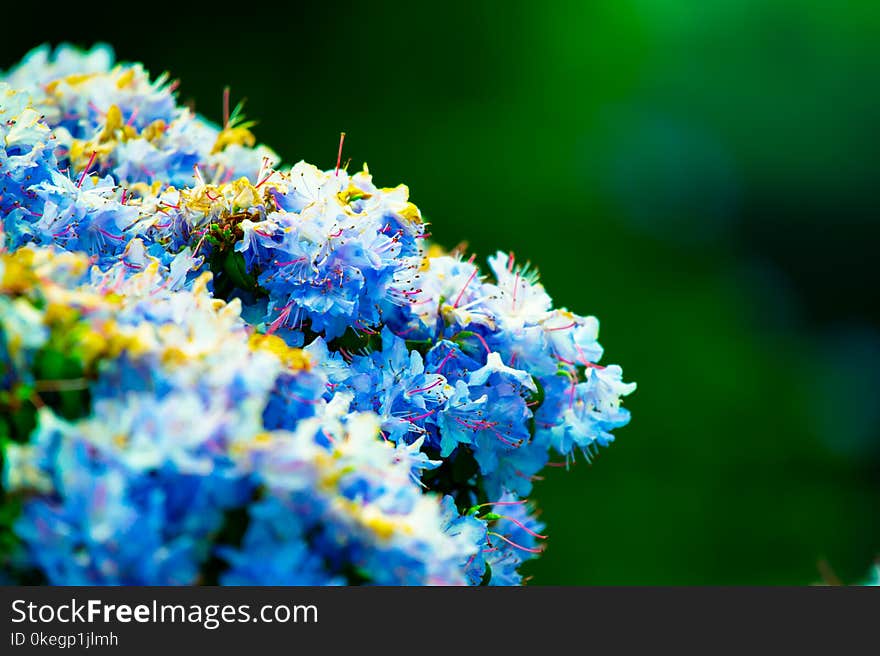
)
(217, 370)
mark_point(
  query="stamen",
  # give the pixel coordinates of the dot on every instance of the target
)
(585, 362)
(110, 235)
(523, 526)
(502, 503)
(571, 325)
(446, 359)
(339, 154)
(260, 183)
(461, 293)
(86, 169)
(515, 286)
(225, 107)
(514, 544)
(439, 381)
(282, 317)
(423, 416)
(296, 261)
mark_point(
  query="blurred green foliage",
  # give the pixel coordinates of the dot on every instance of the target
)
(700, 176)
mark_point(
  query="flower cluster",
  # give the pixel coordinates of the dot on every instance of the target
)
(214, 369)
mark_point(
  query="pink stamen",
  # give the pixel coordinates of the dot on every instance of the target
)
(111, 236)
(504, 440)
(514, 544)
(503, 503)
(160, 287)
(333, 235)
(225, 108)
(339, 154)
(296, 261)
(461, 293)
(86, 169)
(439, 381)
(124, 195)
(571, 325)
(515, 286)
(363, 328)
(585, 362)
(260, 183)
(423, 416)
(524, 527)
(481, 424)
(133, 116)
(446, 359)
(510, 262)
(282, 317)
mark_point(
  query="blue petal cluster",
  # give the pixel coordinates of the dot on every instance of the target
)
(219, 370)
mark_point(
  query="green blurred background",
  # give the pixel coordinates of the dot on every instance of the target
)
(700, 176)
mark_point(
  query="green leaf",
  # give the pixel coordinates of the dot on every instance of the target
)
(234, 266)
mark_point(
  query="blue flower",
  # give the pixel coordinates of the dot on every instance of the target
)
(224, 370)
